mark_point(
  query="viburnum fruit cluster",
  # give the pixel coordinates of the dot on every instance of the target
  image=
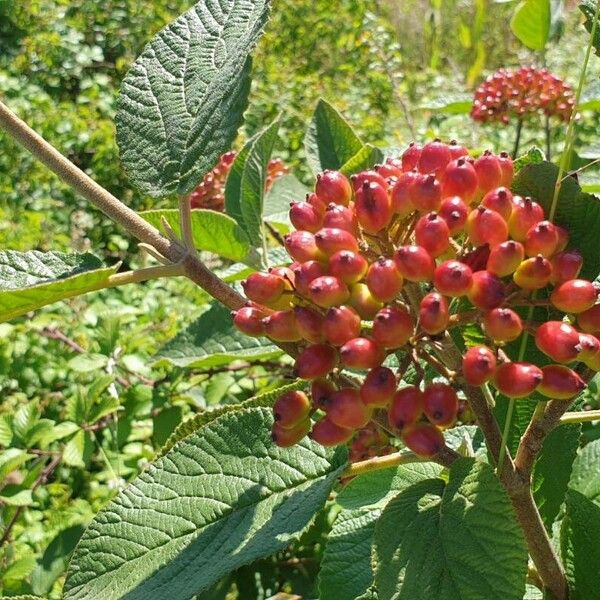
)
(210, 193)
(385, 263)
(527, 91)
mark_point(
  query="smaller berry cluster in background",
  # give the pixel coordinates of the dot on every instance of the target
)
(524, 92)
(210, 193)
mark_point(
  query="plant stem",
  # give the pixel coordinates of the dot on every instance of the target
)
(580, 416)
(185, 217)
(565, 158)
(518, 137)
(547, 134)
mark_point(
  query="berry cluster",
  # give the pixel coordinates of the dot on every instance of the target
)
(211, 192)
(385, 263)
(526, 91)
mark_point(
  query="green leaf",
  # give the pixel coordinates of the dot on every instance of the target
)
(183, 100)
(14, 495)
(367, 157)
(213, 231)
(552, 470)
(588, 8)
(579, 213)
(285, 190)
(11, 459)
(78, 450)
(212, 340)
(451, 104)
(220, 499)
(30, 280)
(533, 156)
(579, 535)
(84, 363)
(203, 418)
(19, 570)
(330, 142)
(432, 540)
(586, 472)
(531, 23)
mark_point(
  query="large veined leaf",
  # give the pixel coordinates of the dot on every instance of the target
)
(182, 101)
(585, 477)
(579, 535)
(212, 340)
(330, 142)
(364, 159)
(531, 23)
(578, 212)
(30, 280)
(444, 541)
(213, 231)
(219, 499)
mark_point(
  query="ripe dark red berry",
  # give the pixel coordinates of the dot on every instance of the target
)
(453, 278)
(310, 324)
(333, 186)
(433, 234)
(440, 404)
(423, 439)
(342, 323)
(305, 216)
(263, 288)
(454, 211)
(327, 433)
(533, 273)
(363, 301)
(306, 273)
(341, 217)
(517, 379)
(369, 176)
(320, 391)
(315, 361)
(560, 382)
(330, 240)
(414, 263)
(392, 327)
(249, 320)
(378, 387)
(434, 157)
(499, 200)
(349, 266)
(406, 407)
(460, 179)
(328, 291)
(502, 324)
(589, 320)
(284, 438)
(559, 340)
(426, 193)
(361, 353)
(373, 207)
(487, 291)
(281, 326)
(574, 296)
(485, 226)
(489, 172)
(346, 409)
(384, 280)
(433, 313)
(479, 365)
(401, 194)
(505, 258)
(291, 408)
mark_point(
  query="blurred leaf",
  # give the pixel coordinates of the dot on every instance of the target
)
(452, 104)
(84, 363)
(78, 450)
(25, 418)
(11, 459)
(19, 569)
(182, 101)
(531, 23)
(588, 8)
(286, 189)
(164, 423)
(330, 142)
(14, 495)
(30, 280)
(366, 158)
(533, 156)
(6, 432)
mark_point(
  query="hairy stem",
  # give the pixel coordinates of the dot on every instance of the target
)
(583, 416)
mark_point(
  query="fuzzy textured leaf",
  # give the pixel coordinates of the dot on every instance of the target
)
(220, 499)
(531, 23)
(588, 8)
(367, 157)
(586, 472)
(183, 100)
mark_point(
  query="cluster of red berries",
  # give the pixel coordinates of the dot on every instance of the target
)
(520, 93)
(211, 192)
(386, 263)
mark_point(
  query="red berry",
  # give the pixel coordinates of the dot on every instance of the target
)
(349, 266)
(433, 234)
(489, 172)
(401, 194)
(281, 326)
(433, 313)
(533, 273)
(378, 387)
(389, 170)
(328, 291)
(346, 409)
(423, 439)
(249, 320)
(392, 327)
(505, 258)
(563, 238)
(310, 324)
(406, 407)
(410, 157)
(384, 280)
(460, 179)
(559, 340)
(566, 265)
(560, 382)
(315, 361)
(316, 202)
(507, 168)
(426, 193)
(453, 278)
(479, 365)
(440, 404)
(485, 226)
(487, 291)
(373, 207)
(590, 351)
(499, 200)
(263, 288)
(327, 433)
(456, 150)
(301, 246)
(454, 211)
(589, 320)
(574, 296)
(320, 391)
(330, 240)
(542, 238)
(291, 408)
(363, 301)
(517, 379)
(341, 217)
(333, 186)
(286, 274)
(306, 273)
(525, 214)
(414, 263)
(434, 157)
(502, 324)
(341, 325)
(305, 216)
(369, 176)
(361, 353)
(284, 438)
